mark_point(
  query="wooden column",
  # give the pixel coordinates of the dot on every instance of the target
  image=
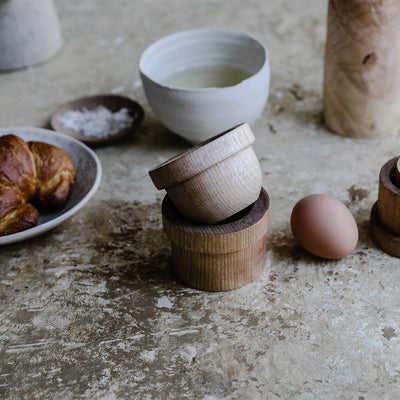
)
(361, 73)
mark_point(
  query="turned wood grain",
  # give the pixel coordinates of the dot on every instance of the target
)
(361, 69)
(223, 256)
(214, 180)
(201, 157)
(385, 214)
(387, 241)
(388, 206)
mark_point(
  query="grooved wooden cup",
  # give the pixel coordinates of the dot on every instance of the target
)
(385, 214)
(223, 256)
(214, 180)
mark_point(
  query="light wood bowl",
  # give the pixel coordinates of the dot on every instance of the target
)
(385, 214)
(215, 179)
(223, 256)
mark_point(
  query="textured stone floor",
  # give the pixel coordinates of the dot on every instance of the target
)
(92, 309)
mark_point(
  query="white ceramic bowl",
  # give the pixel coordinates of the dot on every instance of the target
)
(200, 112)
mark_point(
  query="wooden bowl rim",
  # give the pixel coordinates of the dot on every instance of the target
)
(235, 233)
(387, 175)
(237, 223)
(199, 158)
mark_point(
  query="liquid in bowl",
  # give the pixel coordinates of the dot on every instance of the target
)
(206, 76)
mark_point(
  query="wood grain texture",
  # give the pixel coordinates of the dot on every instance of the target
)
(219, 257)
(389, 197)
(361, 73)
(388, 241)
(385, 214)
(214, 180)
(201, 157)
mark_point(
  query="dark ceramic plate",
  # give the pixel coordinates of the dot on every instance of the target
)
(111, 102)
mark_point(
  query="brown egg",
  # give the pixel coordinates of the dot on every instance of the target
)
(324, 226)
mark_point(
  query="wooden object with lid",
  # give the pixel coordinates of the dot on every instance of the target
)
(223, 256)
(385, 213)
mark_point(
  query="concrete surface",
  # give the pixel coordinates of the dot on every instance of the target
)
(92, 310)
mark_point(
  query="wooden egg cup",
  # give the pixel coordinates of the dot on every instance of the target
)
(385, 213)
(219, 257)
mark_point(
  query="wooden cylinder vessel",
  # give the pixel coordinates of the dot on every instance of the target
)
(223, 256)
(361, 72)
(385, 214)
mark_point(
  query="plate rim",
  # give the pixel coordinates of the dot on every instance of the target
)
(46, 226)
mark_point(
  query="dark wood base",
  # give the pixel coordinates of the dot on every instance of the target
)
(384, 239)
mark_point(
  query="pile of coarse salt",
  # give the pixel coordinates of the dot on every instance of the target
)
(99, 122)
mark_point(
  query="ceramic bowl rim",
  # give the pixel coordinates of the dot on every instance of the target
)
(223, 31)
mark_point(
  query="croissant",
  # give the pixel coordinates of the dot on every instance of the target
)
(31, 172)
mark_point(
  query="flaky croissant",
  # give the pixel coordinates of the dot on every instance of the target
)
(31, 171)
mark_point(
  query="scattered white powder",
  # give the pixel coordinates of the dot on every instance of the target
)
(148, 355)
(118, 89)
(137, 84)
(164, 302)
(99, 122)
